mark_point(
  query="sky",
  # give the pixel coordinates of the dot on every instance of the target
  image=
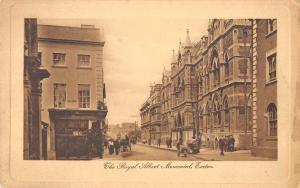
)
(135, 54)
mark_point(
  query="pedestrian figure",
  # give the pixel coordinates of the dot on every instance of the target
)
(216, 143)
(207, 141)
(111, 147)
(226, 143)
(229, 144)
(169, 142)
(221, 145)
(232, 140)
(117, 146)
(158, 142)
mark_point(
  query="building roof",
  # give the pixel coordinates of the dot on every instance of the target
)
(67, 33)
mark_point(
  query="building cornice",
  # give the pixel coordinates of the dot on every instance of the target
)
(66, 41)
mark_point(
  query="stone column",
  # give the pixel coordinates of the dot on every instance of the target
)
(35, 140)
(27, 124)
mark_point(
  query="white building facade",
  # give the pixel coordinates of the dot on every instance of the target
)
(74, 96)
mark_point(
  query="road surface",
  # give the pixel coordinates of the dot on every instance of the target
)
(143, 152)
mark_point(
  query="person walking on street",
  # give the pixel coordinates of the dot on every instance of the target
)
(117, 146)
(225, 140)
(111, 146)
(216, 143)
(169, 143)
(158, 142)
(221, 145)
(232, 140)
(207, 142)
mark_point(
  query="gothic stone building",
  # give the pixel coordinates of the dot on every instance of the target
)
(211, 91)
(166, 101)
(211, 83)
(151, 116)
(145, 121)
(224, 82)
(182, 89)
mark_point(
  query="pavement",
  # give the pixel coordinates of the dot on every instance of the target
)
(208, 154)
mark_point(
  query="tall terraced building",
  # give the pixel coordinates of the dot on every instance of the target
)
(74, 96)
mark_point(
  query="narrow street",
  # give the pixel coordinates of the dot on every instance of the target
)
(143, 152)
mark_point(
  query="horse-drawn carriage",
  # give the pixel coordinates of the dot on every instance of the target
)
(125, 145)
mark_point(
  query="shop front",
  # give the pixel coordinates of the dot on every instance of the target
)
(71, 130)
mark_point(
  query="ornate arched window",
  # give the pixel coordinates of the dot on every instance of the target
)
(226, 110)
(226, 66)
(215, 67)
(207, 116)
(272, 119)
(217, 112)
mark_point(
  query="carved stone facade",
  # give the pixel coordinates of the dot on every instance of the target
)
(224, 82)
(166, 103)
(145, 121)
(151, 116)
(182, 75)
(213, 85)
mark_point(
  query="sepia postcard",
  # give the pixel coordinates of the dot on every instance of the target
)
(150, 93)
